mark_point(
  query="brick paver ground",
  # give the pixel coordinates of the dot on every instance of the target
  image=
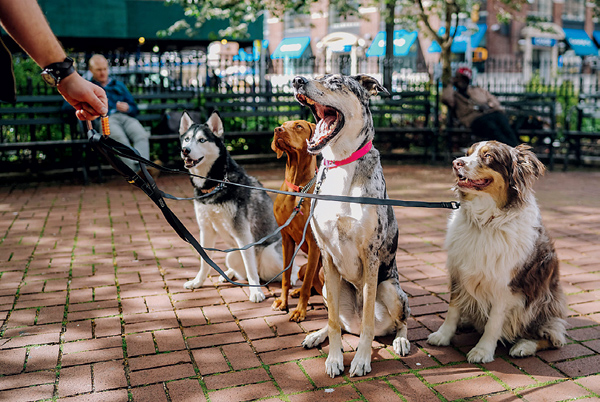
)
(92, 306)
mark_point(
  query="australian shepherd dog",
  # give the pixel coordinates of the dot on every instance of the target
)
(504, 277)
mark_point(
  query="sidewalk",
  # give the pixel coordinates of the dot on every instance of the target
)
(93, 309)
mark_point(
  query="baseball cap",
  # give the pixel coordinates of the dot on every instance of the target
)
(465, 71)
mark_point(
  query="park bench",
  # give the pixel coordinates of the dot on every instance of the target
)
(405, 119)
(401, 120)
(532, 116)
(155, 109)
(250, 118)
(36, 133)
(586, 127)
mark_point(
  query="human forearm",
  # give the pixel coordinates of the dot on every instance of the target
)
(27, 25)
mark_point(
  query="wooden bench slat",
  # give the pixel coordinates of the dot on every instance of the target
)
(32, 121)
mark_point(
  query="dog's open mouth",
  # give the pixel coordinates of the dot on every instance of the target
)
(190, 163)
(464, 182)
(329, 122)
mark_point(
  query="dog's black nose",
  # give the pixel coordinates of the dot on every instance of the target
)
(185, 151)
(299, 82)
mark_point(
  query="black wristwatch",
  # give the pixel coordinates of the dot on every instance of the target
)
(55, 72)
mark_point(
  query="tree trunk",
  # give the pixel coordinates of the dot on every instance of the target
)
(388, 61)
(447, 39)
(445, 57)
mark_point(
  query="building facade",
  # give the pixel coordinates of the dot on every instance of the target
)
(545, 36)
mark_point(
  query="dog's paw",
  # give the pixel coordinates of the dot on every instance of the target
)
(334, 365)
(401, 346)
(524, 347)
(193, 284)
(360, 365)
(295, 293)
(439, 339)
(230, 274)
(315, 339)
(279, 304)
(480, 355)
(298, 315)
(256, 296)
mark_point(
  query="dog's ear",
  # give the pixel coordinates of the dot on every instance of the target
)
(372, 86)
(526, 168)
(215, 124)
(185, 123)
(275, 148)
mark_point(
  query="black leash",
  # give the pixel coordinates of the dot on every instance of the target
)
(339, 198)
(279, 229)
(107, 146)
(111, 149)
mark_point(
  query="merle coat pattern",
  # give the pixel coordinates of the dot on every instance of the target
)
(358, 242)
(238, 215)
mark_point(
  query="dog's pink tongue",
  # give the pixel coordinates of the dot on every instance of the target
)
(472, 183)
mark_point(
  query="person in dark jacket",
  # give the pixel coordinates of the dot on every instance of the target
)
(478, 109)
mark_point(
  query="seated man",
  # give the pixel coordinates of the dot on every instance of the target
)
(478, 109)
(122, 109)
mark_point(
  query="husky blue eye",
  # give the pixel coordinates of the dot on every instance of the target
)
(201, 140)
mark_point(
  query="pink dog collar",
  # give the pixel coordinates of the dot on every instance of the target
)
(355, 156)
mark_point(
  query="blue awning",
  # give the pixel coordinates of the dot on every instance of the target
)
(291, 48)
(580, 42)
(597, 36)
(403, 40)
(459, 45)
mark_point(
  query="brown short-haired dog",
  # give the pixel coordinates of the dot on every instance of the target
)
(300, 168)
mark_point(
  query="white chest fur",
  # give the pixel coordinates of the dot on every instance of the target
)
(218, 217)
(485, 246)
(343, 229)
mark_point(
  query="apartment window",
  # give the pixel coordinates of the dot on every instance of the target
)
(295, 21)
(574, 10)
(541, 9)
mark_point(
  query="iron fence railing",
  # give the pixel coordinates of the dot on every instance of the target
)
(198, 71)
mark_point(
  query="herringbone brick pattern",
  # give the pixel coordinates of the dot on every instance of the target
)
(92, 306)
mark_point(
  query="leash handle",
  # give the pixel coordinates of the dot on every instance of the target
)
(105, 126)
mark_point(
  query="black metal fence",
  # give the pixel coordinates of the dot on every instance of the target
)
(198, 70)
(196, 73)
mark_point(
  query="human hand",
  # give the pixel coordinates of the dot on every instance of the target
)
(123, 107)
(89, 100)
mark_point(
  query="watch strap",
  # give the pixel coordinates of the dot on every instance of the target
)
(60, 69)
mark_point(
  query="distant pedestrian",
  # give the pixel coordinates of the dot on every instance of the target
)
(26, 24)
(478, 109)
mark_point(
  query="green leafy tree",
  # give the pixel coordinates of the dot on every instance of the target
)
(413, 14)
(27, 72)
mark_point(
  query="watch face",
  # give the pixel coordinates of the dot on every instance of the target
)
(49, 78)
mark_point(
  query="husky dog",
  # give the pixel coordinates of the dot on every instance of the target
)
(358, 242)
(238, 215)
